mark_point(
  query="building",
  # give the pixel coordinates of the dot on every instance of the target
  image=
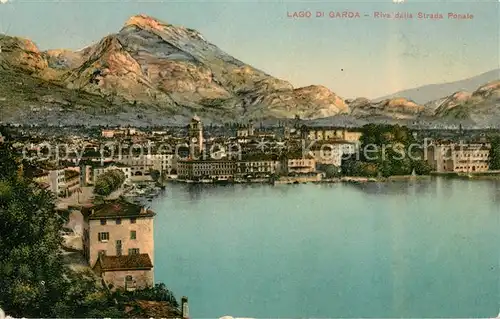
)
(139, 165)
(330, 133)
(125, 272)
(258, 166)
(118, 243)
(72, 181)
(458, 157)
(161, 162)
(300, 164)
(245, 130)
(108, 133)
(120, 132)
(332, 152)
(195, 134)
(90, 173)
(54, 180)
(206, 169)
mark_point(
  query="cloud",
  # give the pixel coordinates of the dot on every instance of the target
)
(3, 1)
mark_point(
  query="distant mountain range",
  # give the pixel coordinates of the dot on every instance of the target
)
(431, 92)
(153, 73)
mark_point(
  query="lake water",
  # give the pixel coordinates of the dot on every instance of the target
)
(411, 249)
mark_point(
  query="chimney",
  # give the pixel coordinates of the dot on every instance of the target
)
(184, 307)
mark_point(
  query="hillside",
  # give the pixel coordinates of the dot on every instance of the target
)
(153, 73)
(153, 66)
(481, 106)
(427, 93)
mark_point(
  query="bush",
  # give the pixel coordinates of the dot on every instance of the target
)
(330, 171)
(157, 293)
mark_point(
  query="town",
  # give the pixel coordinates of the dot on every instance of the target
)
(103, 177)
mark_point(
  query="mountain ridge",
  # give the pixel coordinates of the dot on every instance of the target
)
(430, 92)
(151, 71)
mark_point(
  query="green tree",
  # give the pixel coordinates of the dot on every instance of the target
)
(421, 167)
(495, 153)
(330, 171)
(392, 144)
(31, 265)
(34, 281)
(108, 182)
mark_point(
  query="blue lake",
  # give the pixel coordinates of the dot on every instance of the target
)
(410, 249)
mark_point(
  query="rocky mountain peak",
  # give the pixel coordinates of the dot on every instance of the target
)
(487, 89)
(165, 71)
(145, 22)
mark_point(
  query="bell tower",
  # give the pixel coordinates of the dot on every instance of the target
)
(195, 133)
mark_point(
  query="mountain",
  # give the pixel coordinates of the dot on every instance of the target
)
(154, 73)
(481, 106)
(161, 70)
(427, 93)
(396, 108)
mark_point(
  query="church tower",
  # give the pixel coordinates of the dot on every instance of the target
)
(195, 133)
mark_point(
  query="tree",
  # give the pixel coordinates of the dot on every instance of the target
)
(330, 170)
(421, 167)
(108, 182)
(31, 265)
(392, 144)
(495, 153)
(34, 281)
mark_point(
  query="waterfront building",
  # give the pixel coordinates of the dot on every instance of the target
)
(118, 243)
(206, 169)
(162, 162)
(300, 164)
(258, 166)
(142, 164)
(458, 157)
(332, 152)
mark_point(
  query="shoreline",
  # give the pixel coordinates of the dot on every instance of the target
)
(346, 179)
(306, 180)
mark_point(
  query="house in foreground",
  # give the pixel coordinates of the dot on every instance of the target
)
(118, 243)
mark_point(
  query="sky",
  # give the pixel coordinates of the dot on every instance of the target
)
(363, 56)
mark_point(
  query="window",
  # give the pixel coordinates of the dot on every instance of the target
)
(103, 236)
(132, 220)
(133, 251)
(133, 234)
(118, 221)
(103, 221)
